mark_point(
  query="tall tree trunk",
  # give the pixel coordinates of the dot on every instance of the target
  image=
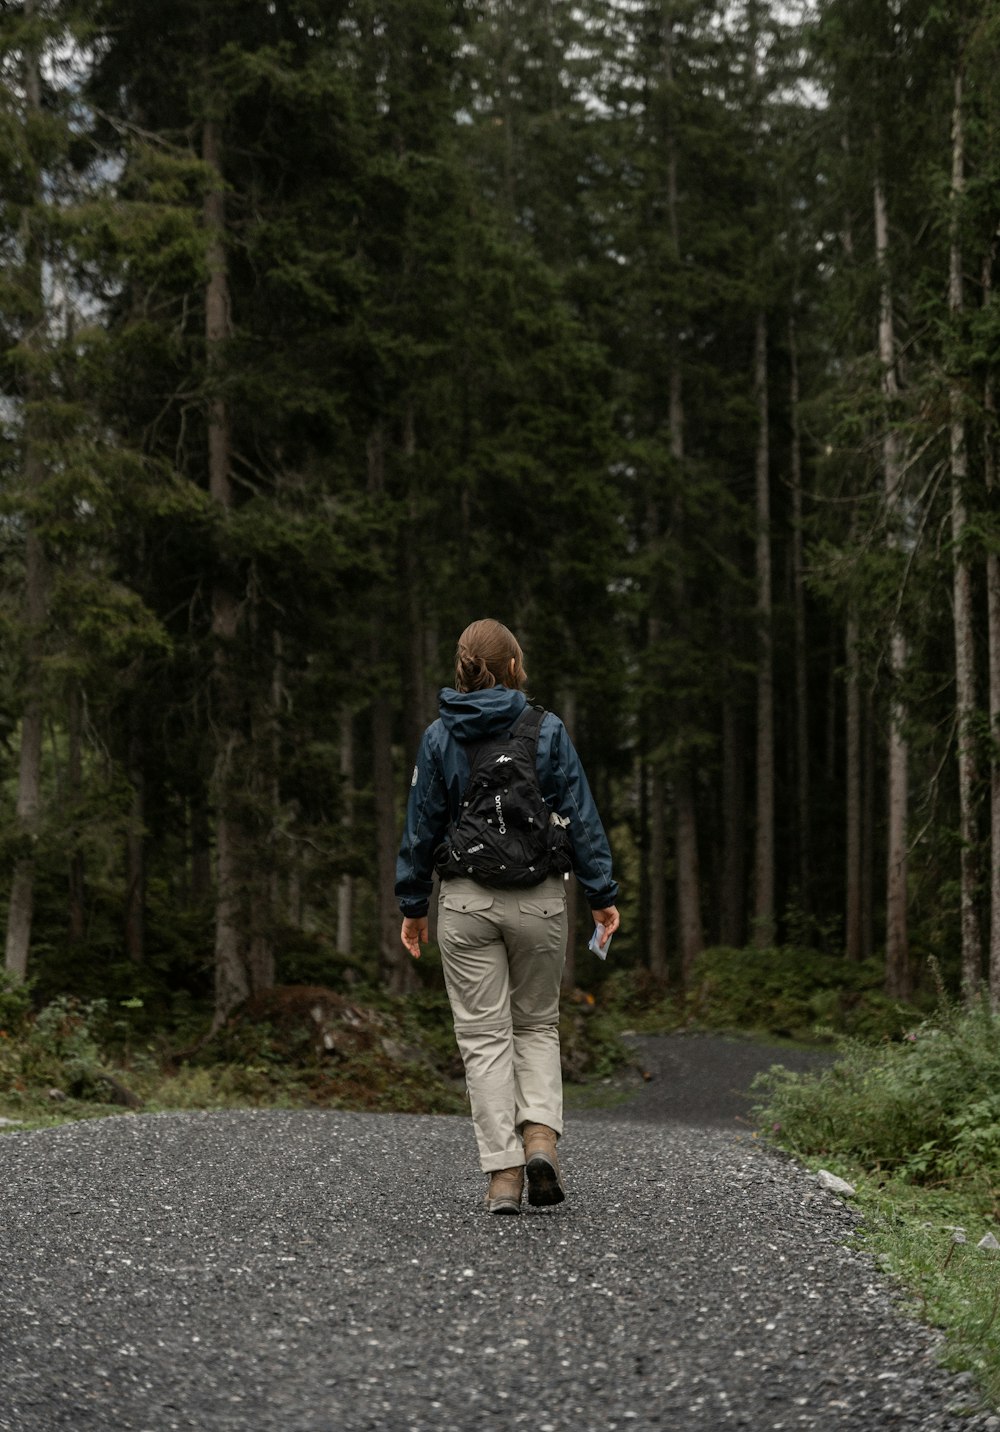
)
(261, 856)
(690, 929)
(135, 842)
(897, 955)
(345, 890)
(799, 599)
(763, 921)
(993, 620)
(965, 672)
(656, 797)
(868, 825)
(657, 873)
(74, 791)
(690, 932)
(36, 578)
(395, 974)
(733, 902)
(395, 968)
(852, 875)
(232, 981)
(416, 703)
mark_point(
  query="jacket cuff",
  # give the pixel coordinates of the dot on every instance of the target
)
(414, 909)
(604, 899)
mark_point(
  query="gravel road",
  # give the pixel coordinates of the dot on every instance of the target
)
(273, 1271)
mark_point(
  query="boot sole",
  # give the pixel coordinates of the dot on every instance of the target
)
(502, 1205)
(544, 1186)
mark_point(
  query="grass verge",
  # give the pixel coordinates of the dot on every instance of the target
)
(914, 1126)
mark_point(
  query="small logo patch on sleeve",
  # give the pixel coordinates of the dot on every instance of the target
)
(413, 778)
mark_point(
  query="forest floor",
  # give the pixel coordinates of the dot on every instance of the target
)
(326, 1271)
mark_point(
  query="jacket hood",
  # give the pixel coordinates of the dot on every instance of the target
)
(474, 715)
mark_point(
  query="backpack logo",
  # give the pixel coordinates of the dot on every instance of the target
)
(500, 760)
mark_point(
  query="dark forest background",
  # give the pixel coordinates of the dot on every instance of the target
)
(665, 333)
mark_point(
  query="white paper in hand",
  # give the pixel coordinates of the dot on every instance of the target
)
(595, 943)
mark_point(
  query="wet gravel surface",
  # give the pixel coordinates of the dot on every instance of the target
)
(314, 1270)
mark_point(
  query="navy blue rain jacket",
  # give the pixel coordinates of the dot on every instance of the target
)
(442, 773)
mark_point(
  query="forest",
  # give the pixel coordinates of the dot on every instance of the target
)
(663, 332)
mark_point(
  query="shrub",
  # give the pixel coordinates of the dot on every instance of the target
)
(926, 1108)
(792, 992)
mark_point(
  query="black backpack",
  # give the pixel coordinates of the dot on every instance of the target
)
(504, 834)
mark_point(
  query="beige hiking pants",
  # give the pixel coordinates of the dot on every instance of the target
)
(503, 953)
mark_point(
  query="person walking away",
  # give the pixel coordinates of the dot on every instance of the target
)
(500, 805)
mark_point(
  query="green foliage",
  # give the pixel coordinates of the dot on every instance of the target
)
(924, 1108)
(793, 992)
(954, 1285)
(913, 1125)
(391, 1054)
(56, 1048)
(15, 1004)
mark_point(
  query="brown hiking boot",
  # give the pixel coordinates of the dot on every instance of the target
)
(542, 1166)
(504, 1192)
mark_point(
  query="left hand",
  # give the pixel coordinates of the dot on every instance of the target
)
(414, 934)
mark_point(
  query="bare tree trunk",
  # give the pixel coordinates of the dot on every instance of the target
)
(852, 881)
(36, 582)
(415, 706)
(868, 826)
(397, 975)
(135, 840)
(260, 845)
(691, 936)
(830, 735)
(655, 797)
(691, 930)
(965, 671)
(232, 982)
(993, 617)
(897, 955)
(763, 923)
(801, 666)
(394, 963)
(733, 907)
(657, 875)
(345, 890)
(74, 790)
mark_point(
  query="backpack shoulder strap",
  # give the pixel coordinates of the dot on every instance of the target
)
(528, 723)
(526, 726)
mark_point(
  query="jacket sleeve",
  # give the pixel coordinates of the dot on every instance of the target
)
(567, 781)
(426, 823)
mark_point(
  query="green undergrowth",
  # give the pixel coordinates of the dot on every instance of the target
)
(787, 993)
(914, 1124)
(298, 1046)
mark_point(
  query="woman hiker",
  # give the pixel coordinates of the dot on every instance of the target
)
(527, 816)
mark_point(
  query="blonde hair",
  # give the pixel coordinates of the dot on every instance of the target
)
(485, 651)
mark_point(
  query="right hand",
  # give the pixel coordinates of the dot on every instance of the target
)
(610, 919)
(414, 934)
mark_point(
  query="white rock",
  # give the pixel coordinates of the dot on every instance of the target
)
(988, 1241)
(833, 1184)
(959, 1237)
(10, 1123)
